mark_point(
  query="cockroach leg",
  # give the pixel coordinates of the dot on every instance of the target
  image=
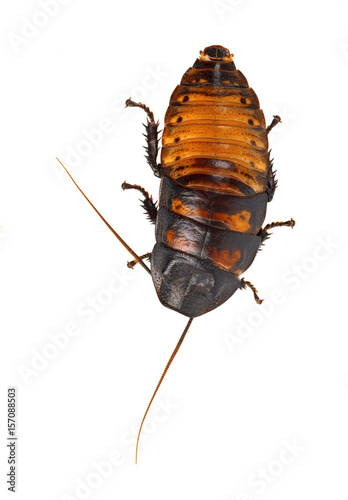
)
(245, 283)
(148, 204)
(272, 182)
(288, 223)
(275, 121)
(132, 263)
(151, 136)
(264, 234)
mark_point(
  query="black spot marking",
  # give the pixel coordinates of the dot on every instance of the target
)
(177, 158)
(242, 217)
(248, 176)
(179, 119)
(177, 139)
(186, 98)
(251, 122)
(243, 101)
(253, 143)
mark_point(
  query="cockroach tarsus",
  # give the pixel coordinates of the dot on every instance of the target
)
(216, 180)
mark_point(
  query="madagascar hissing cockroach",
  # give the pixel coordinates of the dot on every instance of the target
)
(216, 180)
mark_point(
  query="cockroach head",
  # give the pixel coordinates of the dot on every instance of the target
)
(215, 53)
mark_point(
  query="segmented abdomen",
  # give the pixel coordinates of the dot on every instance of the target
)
(214, 136)
(215, 163)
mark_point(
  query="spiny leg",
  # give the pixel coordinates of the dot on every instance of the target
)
(148, 204)
(272, 182)
(288, 223)
(151, 136)
(275, 121)
(245, 283)
(132, 263)
(264, 231)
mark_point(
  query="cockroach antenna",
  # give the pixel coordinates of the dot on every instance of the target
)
(140, 260)
(174, 353)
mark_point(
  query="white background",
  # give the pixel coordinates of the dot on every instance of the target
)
(250, 380)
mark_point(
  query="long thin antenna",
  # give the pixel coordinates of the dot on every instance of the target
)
(160, 381)
(106, 222)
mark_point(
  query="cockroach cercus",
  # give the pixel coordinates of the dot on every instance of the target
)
(216, 180)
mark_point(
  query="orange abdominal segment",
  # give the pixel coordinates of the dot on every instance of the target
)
(227, 259)
(214, 115)
(235, 222)
(180, 208)
(181, 243)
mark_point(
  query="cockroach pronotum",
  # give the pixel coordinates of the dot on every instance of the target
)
(216, 180)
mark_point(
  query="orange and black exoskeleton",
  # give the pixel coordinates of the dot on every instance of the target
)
(216, 180)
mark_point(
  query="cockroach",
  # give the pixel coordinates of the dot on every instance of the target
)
(216, 180)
